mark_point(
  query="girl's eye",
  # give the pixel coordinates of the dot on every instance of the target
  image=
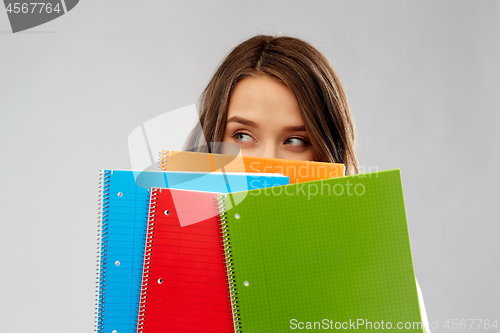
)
(296, 142)
(242, 137)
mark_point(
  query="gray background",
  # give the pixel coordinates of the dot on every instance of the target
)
(422, 79)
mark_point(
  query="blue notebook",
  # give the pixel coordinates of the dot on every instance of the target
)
(123, 212)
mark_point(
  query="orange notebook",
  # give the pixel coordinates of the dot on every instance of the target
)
(297, 171)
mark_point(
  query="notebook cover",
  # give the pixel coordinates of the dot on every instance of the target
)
(184, 286)
(298, 171)
(336, 249)
(123, 215)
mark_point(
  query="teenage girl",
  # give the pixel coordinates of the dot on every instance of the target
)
(279, 97)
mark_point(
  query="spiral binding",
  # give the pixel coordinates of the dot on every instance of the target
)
(162, 161)
(147, 259)
(102, 230)
(220, 202)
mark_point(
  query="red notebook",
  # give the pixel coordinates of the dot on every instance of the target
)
(184, 283)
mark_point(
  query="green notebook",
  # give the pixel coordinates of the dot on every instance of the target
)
(329, 254)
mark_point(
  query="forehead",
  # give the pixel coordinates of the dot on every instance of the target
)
(263, 96)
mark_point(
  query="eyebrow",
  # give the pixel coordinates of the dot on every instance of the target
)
(299, 128)
(236, 119)
(243, 121)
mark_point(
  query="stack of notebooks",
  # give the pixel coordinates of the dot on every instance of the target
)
(214, 243)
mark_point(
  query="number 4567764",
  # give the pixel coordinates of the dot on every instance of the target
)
(470, 324)
(32, 7)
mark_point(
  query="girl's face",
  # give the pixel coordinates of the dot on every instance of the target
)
(264, 120)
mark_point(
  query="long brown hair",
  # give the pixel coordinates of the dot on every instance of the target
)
(310, 76)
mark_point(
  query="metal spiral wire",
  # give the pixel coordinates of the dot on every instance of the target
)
(226, 244)
(147, 259)
(162, 161)
(101, 262)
